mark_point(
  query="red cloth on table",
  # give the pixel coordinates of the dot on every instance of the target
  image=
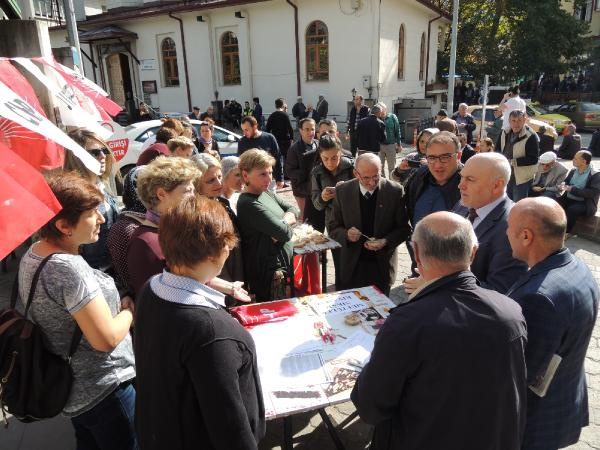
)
(263, 312)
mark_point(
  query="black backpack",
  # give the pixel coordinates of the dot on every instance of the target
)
(34, 383)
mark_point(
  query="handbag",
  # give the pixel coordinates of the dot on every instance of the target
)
(34, 383)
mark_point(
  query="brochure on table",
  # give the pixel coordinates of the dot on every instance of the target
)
(312, 359)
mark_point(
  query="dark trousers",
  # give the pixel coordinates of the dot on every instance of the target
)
(353, 143)
(573, 210)
(284, 146)
(516, 191)
(110, 424)
(367, 273)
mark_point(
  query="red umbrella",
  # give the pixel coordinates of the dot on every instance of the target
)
(26, 201)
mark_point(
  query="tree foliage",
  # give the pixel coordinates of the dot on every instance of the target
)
(511, 39)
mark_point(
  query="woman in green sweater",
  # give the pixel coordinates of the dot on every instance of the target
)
(265, 222)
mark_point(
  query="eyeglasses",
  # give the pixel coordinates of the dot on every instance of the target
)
(368, 179)
(444, 158)
(96, 152)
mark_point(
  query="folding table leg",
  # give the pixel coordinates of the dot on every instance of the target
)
(332, 431)
(288, 434)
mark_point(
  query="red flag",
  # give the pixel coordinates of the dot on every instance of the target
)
(26, 201)
(34, 148)
(105, 103)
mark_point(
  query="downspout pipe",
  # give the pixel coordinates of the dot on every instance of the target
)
(298, 85)
(185, 64)
(428, 47)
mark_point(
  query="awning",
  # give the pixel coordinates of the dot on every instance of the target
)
(107, 32)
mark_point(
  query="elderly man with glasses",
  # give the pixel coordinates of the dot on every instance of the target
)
(369, 220)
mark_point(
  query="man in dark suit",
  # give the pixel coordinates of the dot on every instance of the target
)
(571, 143)
(358, 111)
(322, 108)
(448, 367)
(370, 132)
(369, 220)
(482, 187)
(559, 297)
(257, 112)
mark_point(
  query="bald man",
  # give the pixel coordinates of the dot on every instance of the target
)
(448, 367)
(482, 186)
(369, 220)
(559, 297)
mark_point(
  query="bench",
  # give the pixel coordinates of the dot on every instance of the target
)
(588, 227)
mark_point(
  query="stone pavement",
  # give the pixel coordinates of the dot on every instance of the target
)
(309, 431)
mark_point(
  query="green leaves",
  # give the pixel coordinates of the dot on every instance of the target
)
(511, 39)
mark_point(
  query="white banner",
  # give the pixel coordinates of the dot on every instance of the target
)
(14, 108)
(71, 112)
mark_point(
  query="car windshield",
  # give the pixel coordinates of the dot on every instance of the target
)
(539, 109)
(590, 107)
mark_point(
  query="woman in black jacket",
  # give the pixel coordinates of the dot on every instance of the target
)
(331, 169)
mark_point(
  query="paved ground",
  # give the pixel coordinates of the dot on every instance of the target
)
(309, 431)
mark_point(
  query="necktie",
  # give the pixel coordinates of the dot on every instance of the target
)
(472, 215)
(367, 195)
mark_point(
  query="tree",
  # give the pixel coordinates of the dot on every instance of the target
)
(511, 39)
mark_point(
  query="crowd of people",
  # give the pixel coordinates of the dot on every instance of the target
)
(199, 234)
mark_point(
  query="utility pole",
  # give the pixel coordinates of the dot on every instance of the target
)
(73, 36)
(452, 71)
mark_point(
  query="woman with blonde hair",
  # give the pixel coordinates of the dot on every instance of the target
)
(265, 221)
(210, 184)
(96, 254)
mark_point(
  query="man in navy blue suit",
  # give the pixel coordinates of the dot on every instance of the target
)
(559, 298)
(482, 187)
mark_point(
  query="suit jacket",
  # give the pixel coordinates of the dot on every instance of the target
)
(571, 144)
(555, 176)
(322, 108)
(494, 264)
(559, 297)
(370, 133)
(391, 223)
(352, 119)
(447, 371)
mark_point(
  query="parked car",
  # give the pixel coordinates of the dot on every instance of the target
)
(558, 121)
(126, 143)
(583, 114)
(475, 111)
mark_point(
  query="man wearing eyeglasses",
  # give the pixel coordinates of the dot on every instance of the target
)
(369, 220)
(434, 187)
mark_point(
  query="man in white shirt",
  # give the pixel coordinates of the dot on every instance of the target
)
(511, 102)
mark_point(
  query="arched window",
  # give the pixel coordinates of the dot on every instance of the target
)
(230, 59)
(401, 53)
(422, 61)
(169, 59)
(317, 51)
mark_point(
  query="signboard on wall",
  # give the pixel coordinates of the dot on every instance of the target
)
(148, 64)
(149, 87)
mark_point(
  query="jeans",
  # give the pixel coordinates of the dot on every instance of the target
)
(518, 192)
(387, 152)
(110, 424)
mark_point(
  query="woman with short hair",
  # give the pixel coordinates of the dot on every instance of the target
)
(232, 179)
(265, 222)
(160, 185)
(198, 382)
(96, 254)
(71, 294)
(210, 184)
